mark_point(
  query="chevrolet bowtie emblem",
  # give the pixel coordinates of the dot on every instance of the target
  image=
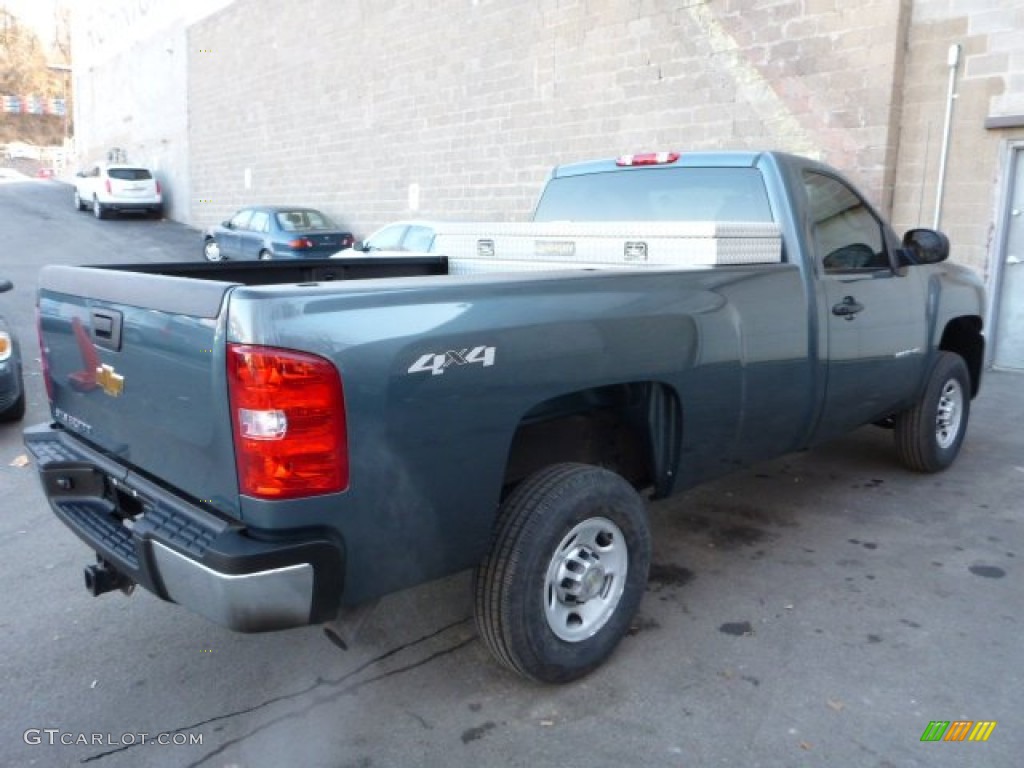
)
(109, 380)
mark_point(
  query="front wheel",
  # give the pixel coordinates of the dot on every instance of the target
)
(929, 435)
(211, 251)
(16, 410)
(79, 203)
(565, 574)
(266, 255)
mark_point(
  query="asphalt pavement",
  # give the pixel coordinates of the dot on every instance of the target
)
(819, 610)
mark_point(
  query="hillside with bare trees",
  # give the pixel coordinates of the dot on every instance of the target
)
(34, 82)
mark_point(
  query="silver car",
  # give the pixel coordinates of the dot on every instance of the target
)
(399, 239)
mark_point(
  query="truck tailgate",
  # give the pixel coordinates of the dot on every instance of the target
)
(136, 371)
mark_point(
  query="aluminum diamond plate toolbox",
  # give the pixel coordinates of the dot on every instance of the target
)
(495, 246)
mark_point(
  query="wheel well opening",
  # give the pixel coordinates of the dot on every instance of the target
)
(963, 336)
(631, 429)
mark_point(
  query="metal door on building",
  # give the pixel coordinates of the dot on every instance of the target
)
(1009, 316)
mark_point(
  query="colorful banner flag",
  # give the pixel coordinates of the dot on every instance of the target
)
(32, 105)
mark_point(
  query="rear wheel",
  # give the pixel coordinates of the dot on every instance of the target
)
(565, 574)
(929, 435)
(98, 210)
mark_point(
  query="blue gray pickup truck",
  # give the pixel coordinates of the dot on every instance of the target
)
(270, 445)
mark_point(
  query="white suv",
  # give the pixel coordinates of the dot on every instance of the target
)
(106, 188)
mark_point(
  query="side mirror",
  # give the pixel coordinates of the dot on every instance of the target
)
(226, 224)
(360, 245)
(5, 286)
(924, 246)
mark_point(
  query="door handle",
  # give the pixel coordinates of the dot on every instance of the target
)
(847, 308)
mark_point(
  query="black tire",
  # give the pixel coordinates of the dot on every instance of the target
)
(16, 410)
(266, 255)
(98, 210)
(79, 203)
(929, 435)
(211, 250)
(527, 588)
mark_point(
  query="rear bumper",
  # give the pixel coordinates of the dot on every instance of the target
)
(246, 580)
(305, 253)
(132, 204)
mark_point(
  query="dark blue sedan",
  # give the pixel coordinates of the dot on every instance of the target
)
(275, 232)
(12, 385)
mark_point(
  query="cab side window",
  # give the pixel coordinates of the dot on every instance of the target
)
(260, 221)
(847, 236)
(241, 219)
(418, 239)
(388, 239)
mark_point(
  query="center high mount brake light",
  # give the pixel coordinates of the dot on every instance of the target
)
(648, 158)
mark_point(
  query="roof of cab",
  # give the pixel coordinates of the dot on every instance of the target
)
(733, 159)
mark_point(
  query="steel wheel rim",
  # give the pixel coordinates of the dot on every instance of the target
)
(585, 579)
(265, 256)
(96, 207)
(212, 251)
(949, 413)
(78, 200)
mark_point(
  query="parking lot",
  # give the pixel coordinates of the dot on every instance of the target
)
(818, 610)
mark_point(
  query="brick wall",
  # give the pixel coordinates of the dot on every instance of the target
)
(343, 104)
(990, 83)
(119, 107)
(129, 67)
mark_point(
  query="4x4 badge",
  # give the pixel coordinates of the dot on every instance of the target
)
(109, 380)
(438, 362)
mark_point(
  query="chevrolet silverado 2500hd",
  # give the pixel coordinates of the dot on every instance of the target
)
(270, 444)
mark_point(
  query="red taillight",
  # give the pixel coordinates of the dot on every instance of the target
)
(648, 158)
(107, 185)
(159, 189)
(300, 243)
(288, 418)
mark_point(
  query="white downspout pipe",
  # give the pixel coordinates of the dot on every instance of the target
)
(953, 59)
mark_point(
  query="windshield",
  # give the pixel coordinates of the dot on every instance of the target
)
(657, 194)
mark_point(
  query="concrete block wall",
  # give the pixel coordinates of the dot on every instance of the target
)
(136, 102)
(462, 106)
(989, 83)
(129, 68)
